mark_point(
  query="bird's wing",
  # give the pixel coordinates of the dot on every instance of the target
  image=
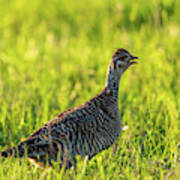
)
(68, 132)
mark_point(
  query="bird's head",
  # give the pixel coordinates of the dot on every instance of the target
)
(121, 60)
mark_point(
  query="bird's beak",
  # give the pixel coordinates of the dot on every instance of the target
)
(134, 57)
(132, 60)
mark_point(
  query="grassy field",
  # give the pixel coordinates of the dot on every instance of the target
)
(54, 55)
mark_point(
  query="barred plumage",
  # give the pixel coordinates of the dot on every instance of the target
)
(85, 130)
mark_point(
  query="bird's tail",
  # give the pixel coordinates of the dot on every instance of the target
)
(33, 147)
(17, 151)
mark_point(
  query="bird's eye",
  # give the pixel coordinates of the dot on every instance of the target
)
(123, 58)
(119, 65)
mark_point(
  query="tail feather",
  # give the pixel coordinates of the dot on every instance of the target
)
(33, 147)
(38, 148)
(17, 151)
(7, 152)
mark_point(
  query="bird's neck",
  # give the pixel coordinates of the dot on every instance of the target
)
(112, 84)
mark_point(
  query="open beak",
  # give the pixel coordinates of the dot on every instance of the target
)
(132, 60)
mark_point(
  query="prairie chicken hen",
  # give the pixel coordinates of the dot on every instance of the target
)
(85, 130)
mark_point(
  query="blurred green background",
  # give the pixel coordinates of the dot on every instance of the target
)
(54, 55)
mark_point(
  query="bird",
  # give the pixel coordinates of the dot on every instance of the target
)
(85, 130)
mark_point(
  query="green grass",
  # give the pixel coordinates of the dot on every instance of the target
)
(54, 55)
